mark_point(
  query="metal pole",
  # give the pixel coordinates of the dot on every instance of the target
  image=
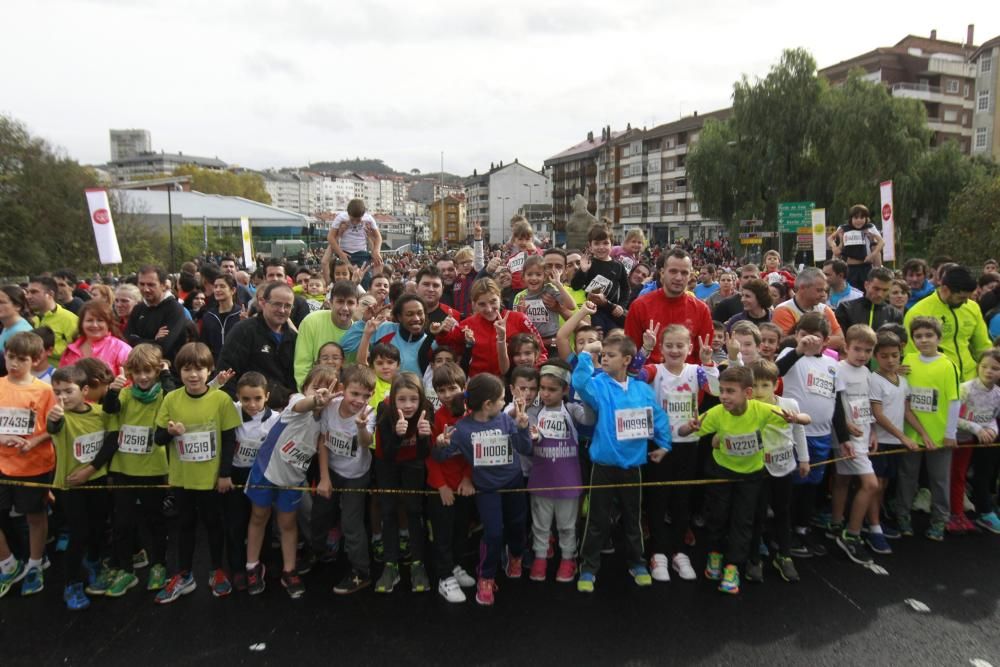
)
(170, 224)
(444, 226)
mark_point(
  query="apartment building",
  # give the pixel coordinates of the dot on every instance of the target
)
(574, 171)
(985, 119)
(493, 198)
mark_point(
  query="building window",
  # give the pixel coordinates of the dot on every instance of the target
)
(984, 101)
(985, 64)
(668, 208)
(693, 207)
(953, 86)
(965, 92)
(980, 138)
(950, 116)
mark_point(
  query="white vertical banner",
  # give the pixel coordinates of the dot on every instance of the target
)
(104, 226)
(888, 223)
(819, 234)
(247, 244)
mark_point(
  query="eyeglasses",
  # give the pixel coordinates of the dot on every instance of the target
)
(277, 305)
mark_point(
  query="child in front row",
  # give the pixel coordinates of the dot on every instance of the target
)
(628, 416)
(738, 455)
(199, 424)
(79, 432)
(978, 423)
(282, 461)
(493, 442)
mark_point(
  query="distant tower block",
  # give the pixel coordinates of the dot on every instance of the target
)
(130, 143)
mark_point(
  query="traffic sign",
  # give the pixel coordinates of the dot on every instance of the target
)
(792, 215)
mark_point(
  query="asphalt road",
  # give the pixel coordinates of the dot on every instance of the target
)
(838, 614)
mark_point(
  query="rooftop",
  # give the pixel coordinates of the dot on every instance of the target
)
(588, 144)
(199, 205)
(178, 158)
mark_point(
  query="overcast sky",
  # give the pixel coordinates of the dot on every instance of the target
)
(284, 83)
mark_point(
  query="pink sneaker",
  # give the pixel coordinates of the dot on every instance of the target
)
(513, 570)
(484, 592)
(567, 570)
(538, 569)
(970, 527)
(955, 524)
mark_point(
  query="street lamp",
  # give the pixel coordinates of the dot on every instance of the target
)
(503, 216)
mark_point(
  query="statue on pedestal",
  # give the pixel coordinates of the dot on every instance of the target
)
(579, 223)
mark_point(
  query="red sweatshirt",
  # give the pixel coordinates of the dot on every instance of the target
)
(484, 352)
(661, 309)
(452, 470)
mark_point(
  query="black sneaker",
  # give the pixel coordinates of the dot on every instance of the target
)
(754, 571)
(805, 545)
(255, 580)
(854, 547)
(834, 529)
(293, 585)
(353, 583)
(798, 548)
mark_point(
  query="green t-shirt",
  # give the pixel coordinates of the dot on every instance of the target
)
(933, 385)
(78, 442)
(194, 456)
(137, 454)
(316, 330)
(741, 448)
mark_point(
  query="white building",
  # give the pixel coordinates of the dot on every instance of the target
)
(493, 198)
(129, 143)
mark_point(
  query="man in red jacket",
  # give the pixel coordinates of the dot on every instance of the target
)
(671, 304)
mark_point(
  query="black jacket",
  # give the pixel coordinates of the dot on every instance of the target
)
(215, 326)
(859, 311)
(251, 346)
(146, 320)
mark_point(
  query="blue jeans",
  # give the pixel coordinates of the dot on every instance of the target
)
(359, 259)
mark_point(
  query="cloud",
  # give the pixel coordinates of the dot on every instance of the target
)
(264, 64)
(326, 115)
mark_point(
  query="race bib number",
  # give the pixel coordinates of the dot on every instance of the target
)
(861, 410)
(627, 262)
(516, 263)
(854, 238)
(197, 446)
(135, 439)
(923, 399)
(246, 452)
(295, 455)
(598, 284)
(491, 449)
(775, 277)
(535, 310)
(680, 406)
(821, 384)
(780, 461)
(746, 444)
(85, 447)
(341, 444)
(634, 423)
(17, 421)
(552, 426)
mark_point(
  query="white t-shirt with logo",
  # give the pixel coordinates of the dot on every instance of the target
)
(784, 446)
(855, 383)
(892, 397)
(678, 394)
(354, 238)
(250, 436)
(339, 435)
(812, 381)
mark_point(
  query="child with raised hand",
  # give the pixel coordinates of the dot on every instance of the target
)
(932, 422)
(977, 423)
(493, 442)
(530, 300)
(84, 442)
(522, 238)
(737, 455)
(678, 386)
(451, 510)
(278, 473)
(628, 416)
(199, 424)
(555, 462)
(26, 455)
(137, 463)
(785, 450)
(401, 429)
(574, 334)
(605, 281)
(345, 464)
(256, 422)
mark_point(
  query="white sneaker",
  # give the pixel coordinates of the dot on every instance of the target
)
(450, 590)
(463, 577)
(682, 566)
(659, 567)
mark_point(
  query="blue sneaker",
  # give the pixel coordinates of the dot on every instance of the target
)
(890, 531)
(34, 581)
(877, 543)
(935, 532)
(988, 522)
(180, 584)
(62, 543)
(585, 583)
(75, 598)
(640, 574)
(7, 581)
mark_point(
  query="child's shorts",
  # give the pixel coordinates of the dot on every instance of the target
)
(819, 451)
(24, 499)
(263, 493)
(859, 465)
(886, 463)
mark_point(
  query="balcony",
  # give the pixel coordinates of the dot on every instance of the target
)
(951, 67)
(926, 93)
(948, 127)
(633, 198)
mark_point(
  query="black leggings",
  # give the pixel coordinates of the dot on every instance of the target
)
(680, 465)
(192, 505)
(86, 515)
(776, 492)
(236, 517)
(127, 519)
(409, 475)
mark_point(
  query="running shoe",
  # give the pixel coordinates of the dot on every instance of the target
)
(905, 525)
(640, 575)
(34, 581)
(815, 546)
(713, 569)
(464, 579)
(785, 567)
(120, 584)
(585, 583)
(219, 583)
(854, 548)
(821, 520)
(388, 580)
(180, 584)
(419, 581)
(7, 580)
(955, 525)
(449, 589)
(730, 583)
(157, 578)
(659, 567)
(890, 531)
(754, 571)
(305, 562)
(75, 598)
(485, 590)
(567, 570)
(140, 559)
(255, 579)
(352, 583)
(538, 569)
(682, 566)
(833, 529)
(935, 532)
(988, 522)
(514, 568)
(293, 585)
(378, 550)
(878, 544)
(970, 526)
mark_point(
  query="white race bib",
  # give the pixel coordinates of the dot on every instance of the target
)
(196, 446)
(516, 263)
(775, 277)
(627, 262)
(598, 284)
(746, 444)
(780, 461)
(861, 410)
(135, 439)
(855, 237)
(85, 447)
(634, 423)
(923, 399)
(246, 452)
(680, 406)
(341, 444)
(535, 310)
(295, 455)
(552, 426)
(491, 449)
(17, 421)
(821, 384)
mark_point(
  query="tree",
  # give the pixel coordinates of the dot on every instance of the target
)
(246, 185)
(972, 231)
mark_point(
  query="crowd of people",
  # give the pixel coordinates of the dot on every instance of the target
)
(523, 392)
